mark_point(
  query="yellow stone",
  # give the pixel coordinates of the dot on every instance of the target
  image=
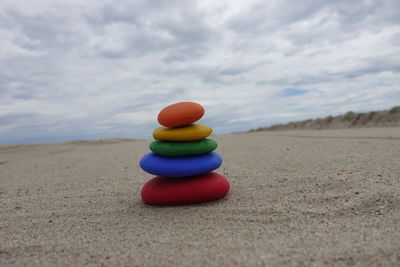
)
(191, 132)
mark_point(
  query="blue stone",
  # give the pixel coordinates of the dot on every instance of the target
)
(180, 166)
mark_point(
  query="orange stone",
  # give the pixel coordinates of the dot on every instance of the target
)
(180, 114)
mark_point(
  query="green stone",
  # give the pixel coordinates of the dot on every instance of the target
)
(179, 149)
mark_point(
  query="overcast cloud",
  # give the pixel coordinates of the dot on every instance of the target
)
(98, 69)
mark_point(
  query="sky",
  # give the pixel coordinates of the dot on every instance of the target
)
(75, 70)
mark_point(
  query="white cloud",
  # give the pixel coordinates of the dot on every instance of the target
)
(93, 69)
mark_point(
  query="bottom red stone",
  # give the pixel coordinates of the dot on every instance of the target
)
(185, 190)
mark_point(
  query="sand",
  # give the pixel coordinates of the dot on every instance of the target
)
(298, 198)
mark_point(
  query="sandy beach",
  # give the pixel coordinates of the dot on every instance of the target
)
(298, 198)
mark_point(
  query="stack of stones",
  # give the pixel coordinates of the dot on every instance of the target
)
(182, 157)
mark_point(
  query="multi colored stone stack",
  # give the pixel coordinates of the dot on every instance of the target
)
(182, 157)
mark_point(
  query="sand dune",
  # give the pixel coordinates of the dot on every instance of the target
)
(303, 198)
(382, 118)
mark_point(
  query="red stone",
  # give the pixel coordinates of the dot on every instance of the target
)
(185, 190)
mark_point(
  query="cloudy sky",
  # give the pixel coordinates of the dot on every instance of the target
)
(98, 69)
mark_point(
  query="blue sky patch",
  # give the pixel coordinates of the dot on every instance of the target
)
(293, 92)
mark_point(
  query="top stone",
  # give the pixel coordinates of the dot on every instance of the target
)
(180, 114)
